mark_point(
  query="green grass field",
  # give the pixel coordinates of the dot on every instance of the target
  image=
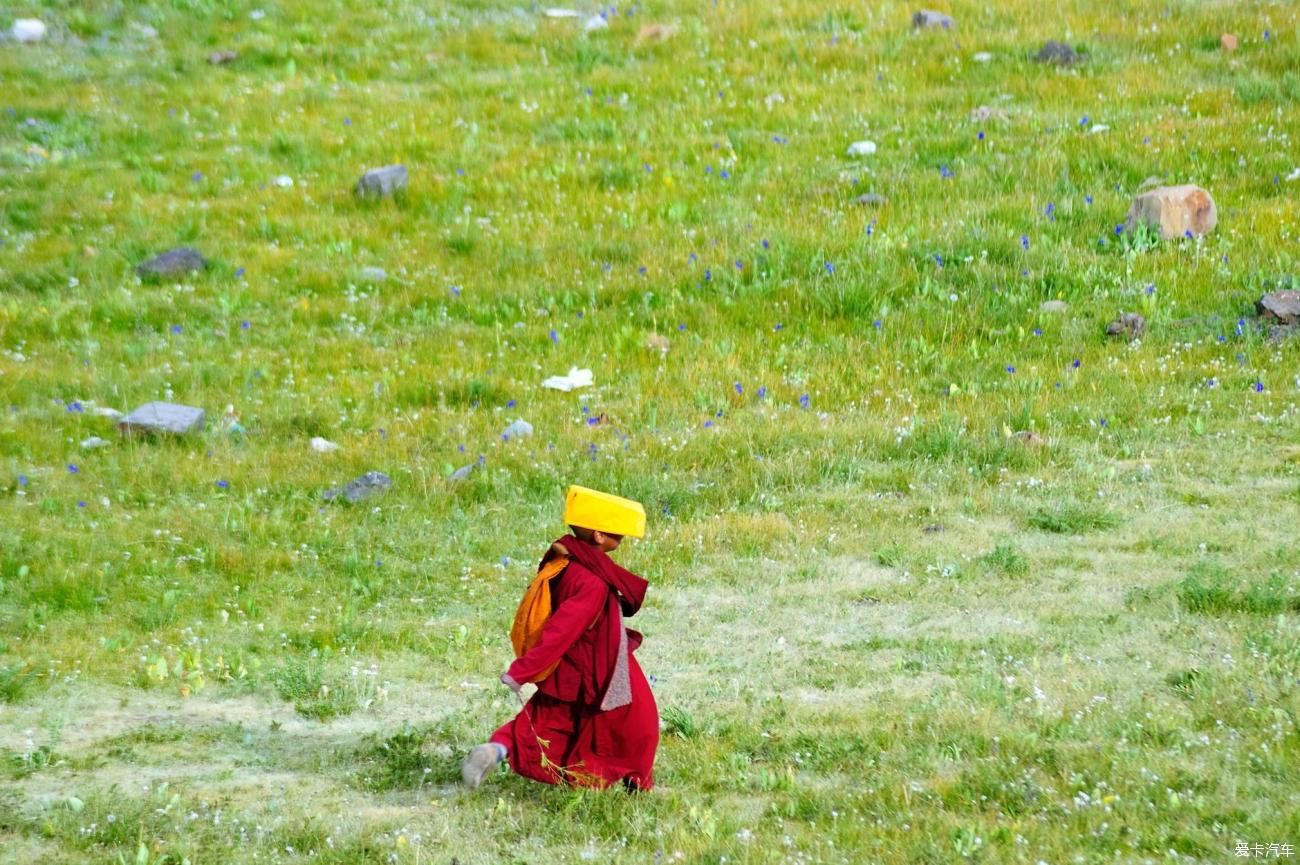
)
(883, 626)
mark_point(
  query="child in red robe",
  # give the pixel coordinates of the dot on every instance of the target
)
(593, 721)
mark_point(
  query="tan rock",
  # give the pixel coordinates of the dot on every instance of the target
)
(1175, 211)
(656, 33)
(1228, 42)
(657, 342)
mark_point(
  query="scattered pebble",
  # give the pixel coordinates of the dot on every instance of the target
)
(862, 148)
(379, 182)
(94, 442)
(519, 429)
(928, 19)
(322, 445)
(163, 417)
(175, 262)
(373, 274)
(1057, 54)
(284, 181)
(1055, 306)
(220, 58)
(369, 484)
(28, 30)
(982, 57)
(1228, 42)
(594, 23)
(575, 379)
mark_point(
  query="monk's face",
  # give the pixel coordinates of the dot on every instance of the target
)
(608, 543)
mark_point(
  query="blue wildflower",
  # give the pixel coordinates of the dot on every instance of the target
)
(725, 175)
(239, 273)
(81, 504)
(739, 388)
(877, 324)
(980, 135)
(681, 327)
(1151, 288)
(804, 401)
(1188, 234)
(762, 393)
(1119, 229)
(76, 407)
(72, 469)
(1259, 387)
(1084, 120)
(223, 484)
(1038, 331)
(455, 290)
(708, 423)
(555, 337)
(739, 264)
(347, 121)
(1087, 199)
(176, 328)
(245, 325)
(778, 326)
(830, 267)
(22, 480)
(1076, 363)
(1011, 369)
(196, 176)
(766, 245)
(510, 404)
(708, 274)
(1024, 241)
(1103, 422)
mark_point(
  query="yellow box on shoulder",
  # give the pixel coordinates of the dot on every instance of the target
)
(602, 512)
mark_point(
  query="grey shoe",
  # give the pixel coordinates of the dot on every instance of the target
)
(481, 760)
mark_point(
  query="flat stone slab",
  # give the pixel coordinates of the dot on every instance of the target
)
(369, 484)
(929, 19)
(155, 417)
(380, 182)
(1280, 306)
(173, 262)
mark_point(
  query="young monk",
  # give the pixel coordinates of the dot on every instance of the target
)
(593, 721)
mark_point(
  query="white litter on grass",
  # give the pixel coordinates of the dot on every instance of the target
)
(1294, 175)
(575, 379)
(323, 446)
(29, 30)
(561, 13)
(94, 442)
(284, 181)
(595, 22)
(1099, 128)
(105, 411)
(862, 148)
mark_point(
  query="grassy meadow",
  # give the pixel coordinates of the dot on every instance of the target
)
(938, 575)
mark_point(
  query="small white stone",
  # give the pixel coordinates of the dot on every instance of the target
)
(561, 13)
(1099, 128)
(982, 57)
(284, 181)
(596, 22)
(323, 446)
(29, 30)
(862, 148)
(94, 442)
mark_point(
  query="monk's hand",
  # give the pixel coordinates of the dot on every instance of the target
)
(510, 683)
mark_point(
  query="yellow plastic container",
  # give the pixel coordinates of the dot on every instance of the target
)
(602, 512)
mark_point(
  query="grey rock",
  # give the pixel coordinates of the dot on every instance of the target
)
(379, 182)
(369, 484)
(1055, 306)
(373, 274)
(94, 442)
(463, 472)
(1130, 324)
(174, 262)
(985, 113)
(518, 429)
(929, 19)
(221, 58)
(871, 199)
(1280, 306)
(154, 417)
(1057, 53)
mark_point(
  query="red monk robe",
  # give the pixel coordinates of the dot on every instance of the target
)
(593, 722)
